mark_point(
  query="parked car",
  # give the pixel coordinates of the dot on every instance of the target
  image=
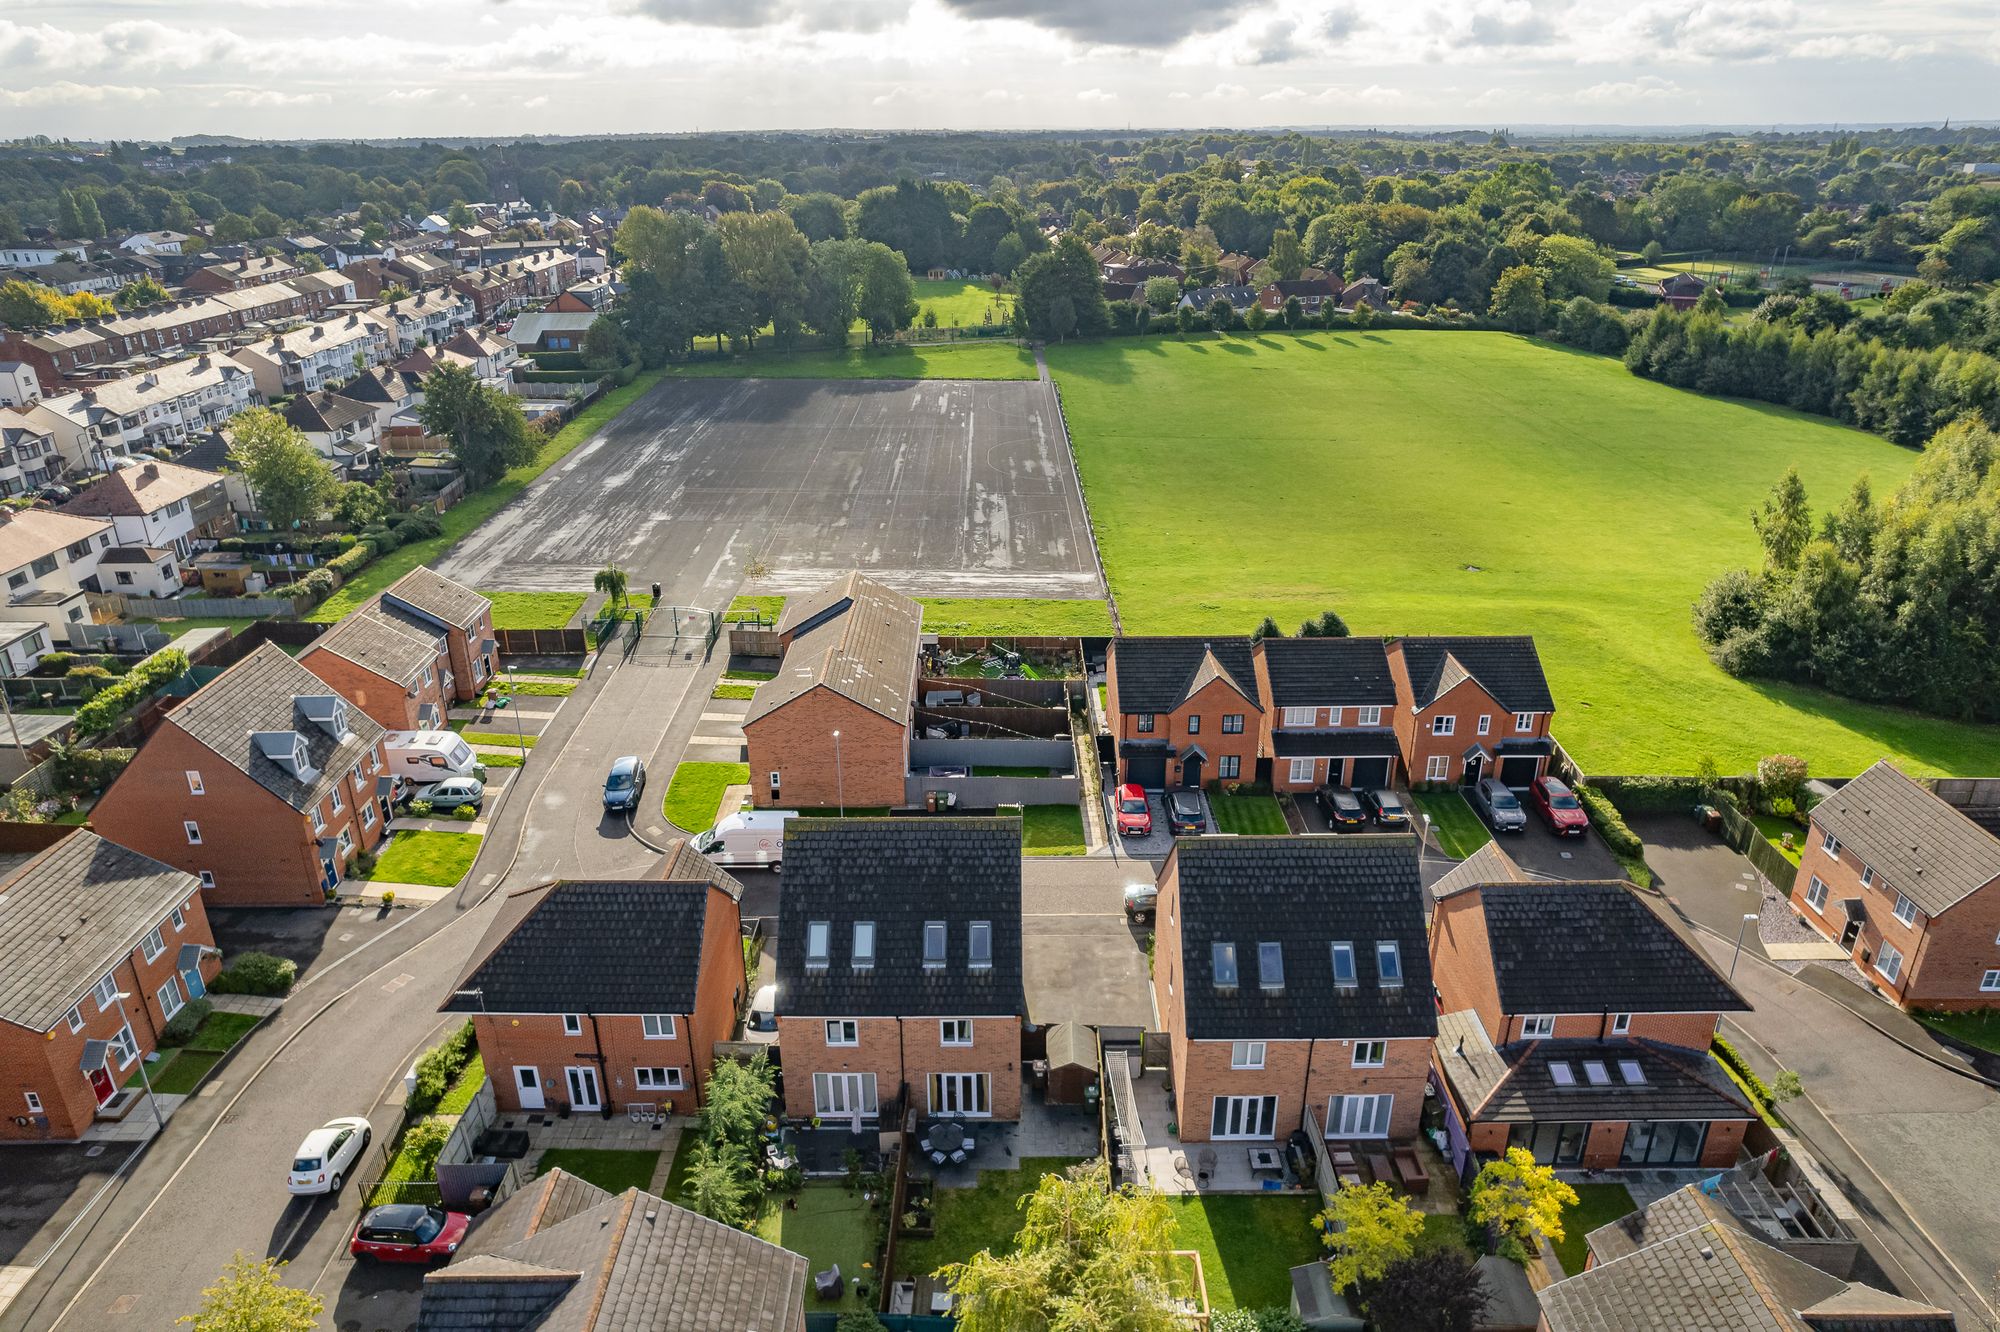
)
(55, 494)
(1386, 808)
(763, 1010)
(1559, 807)
(327, 1154)
(408, 1233)
(452, 792)
(1343, 808)
(623, 786)
(1184, 812)
(1134, 818)
(1140, 900)
(1497, 805)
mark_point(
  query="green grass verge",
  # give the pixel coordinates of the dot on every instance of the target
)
(1426, 505)
(501, 760)
(756, 677)
(1774, 829)
(557, 673)
(963, 304)
(964, 360)
(1457, 831)
(403, 1180)
(1596, 1205)
(178, 1072)
(1248, 814)
(1052, 830)
(755, 608)
(694, 796)
(533, 610)
(538, 688)
(477, 508)
(1009, 617)
(222, 1030)
(744, 692)
(459, 1095)
(829, 1226)
(1248, 1243)
(496, 738)
(1976, 1029)
(985, 1216)
(613, 1170)
(439, 859)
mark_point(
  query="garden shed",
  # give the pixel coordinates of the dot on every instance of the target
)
(1072, 1064)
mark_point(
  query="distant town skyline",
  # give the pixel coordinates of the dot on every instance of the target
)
(296, 69)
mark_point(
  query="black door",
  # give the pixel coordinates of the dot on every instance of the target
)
(1368, 773)
(1147, 770)
(1191, 772)
(1474, 767)
(1519, 770)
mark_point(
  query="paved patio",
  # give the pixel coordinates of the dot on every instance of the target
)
(1043, 1130)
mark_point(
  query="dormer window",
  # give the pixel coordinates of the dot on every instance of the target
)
(934, 932)
(1223, 958)
(864, 945)
(1270, 966)
(1343, 966)
(818, 933)
(979, 945)
(1389, 964)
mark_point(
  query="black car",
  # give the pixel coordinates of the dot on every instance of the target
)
(1386, 808)
(1184, 812)
(1343, 808)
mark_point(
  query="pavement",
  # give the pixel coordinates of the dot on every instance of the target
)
(1711, 884)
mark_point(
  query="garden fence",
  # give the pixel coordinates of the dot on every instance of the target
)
(226, 608)
(541, 642)
(1749, 839)
(1324, 1175)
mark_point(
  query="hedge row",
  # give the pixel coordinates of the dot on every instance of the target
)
(109, 704)
(1610, 824)
(547, 376)
(319, 547)
(557, 360)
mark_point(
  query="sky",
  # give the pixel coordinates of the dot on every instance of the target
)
(313, 69)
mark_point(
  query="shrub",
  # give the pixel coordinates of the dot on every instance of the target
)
(420, 525)
(318, 584)
(1610, 824)
(1782, 778)
(421, 809)
(256, 973)
(423, 1143)
(1729, 1055)
(108, 705)
(465, 814)
(54, 663)
(1655, 793)
(181, 1026)
(438, 1067)
(352, 561)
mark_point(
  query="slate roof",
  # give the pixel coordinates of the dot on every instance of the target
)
(1594, 947)
(604, 946)
(323, 413)
(1158, 674)
(856, 638)
(1922, 847)
(1489, 864)
(630, 1263)
(1325, 672)
(1334, 744)
(261, 693)
(900, 873)
(1677, 1085)
(1506, 667)
(377, 643)
(1302, 894)
(425, 589)
(68, 913)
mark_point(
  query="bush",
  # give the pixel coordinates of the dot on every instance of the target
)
(256, 973)
(1759, 1091)
(318, 584)
(465, 814)
(54, 663)
(1610, 824)
(438, 1067)
(420, 525)
(1657, 793)
(350, 562)
(181, 1026)
(423, 1143)
(1256, 1320)
(87, 673)
(108, 705)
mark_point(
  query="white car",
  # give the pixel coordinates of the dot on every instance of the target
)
(452, 792)
(327, 1154)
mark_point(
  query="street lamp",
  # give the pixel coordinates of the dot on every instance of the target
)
(839, 784)
(1748, 916)
(147, 1082)
(1423, 842)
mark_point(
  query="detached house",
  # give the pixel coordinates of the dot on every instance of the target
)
(391, 670)
(1332, 704)
(1910, 887)
(1468, 708)
(899, 967)
(262, 784)
(1184, 711)
(1290, 975)
(1576, 1024)
(592, 996)
(101, 947)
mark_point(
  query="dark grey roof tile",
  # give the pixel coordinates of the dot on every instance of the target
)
(1505, 666)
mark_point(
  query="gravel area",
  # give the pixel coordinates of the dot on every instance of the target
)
(1778, 923)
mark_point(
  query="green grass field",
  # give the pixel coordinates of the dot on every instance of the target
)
(533, 610)
(964, 360)
(1010, 616)
(1431, 482)
(963, 304)
(1457, 830)
(1247, 813)
(1248, 1243)
(439, 859)
(1596, 1205)
(694, 796)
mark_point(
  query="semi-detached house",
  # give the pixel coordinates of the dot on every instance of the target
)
(169, 406)
(396, 673)
(1471, 707)
(1184, 710)
(158, 505)
(1332, 704)
(322, 353)
(46, 559)
(426, 602)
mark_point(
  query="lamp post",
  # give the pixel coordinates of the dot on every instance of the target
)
(1747, 918)
(519, 739)
(839, 783)
(146, 1081)
(1423, 842)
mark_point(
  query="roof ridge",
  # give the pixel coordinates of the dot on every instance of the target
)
(611, 1254)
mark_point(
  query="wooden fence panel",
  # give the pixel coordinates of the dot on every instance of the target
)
(541, 642)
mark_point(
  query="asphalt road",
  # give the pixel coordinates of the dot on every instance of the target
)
(940, 487)
(1081, 960)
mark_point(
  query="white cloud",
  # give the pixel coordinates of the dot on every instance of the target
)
(1226, 92)
(1646, 88)
(271, 97)
(1285, 94)
(536, 103)
(1096, 95)
(999, 95)
(409, 94)
(65, 93)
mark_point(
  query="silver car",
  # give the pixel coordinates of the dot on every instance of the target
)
(1497, 805)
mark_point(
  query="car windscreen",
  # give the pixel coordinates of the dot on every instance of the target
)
(1389, 804)
(305, 1164)
(1504, 799)
(1564, 801)
(428, 1228)
(619, 781)
(1131, 807)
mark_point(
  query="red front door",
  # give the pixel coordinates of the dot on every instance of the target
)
(100, 1083)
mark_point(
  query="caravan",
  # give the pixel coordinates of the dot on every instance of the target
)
(424, 757)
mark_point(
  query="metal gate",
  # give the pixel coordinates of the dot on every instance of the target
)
(685, 622)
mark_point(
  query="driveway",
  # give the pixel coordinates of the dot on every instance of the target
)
(1539, 851)
(313, 937)
(1083, 961)
(1155, 845)
(47, 1186)
(1709, 882)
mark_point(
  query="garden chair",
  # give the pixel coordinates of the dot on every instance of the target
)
(828, 1284)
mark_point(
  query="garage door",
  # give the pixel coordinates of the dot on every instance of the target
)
(1368, 773)
(1148, 770)
(1520, 769)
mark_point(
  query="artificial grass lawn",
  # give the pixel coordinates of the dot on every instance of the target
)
(1459, 831)
(694, 796)
(477, 507)
(1005, 770)
(1596, 1205)
(1774, 830)
(439, 859)
(962, 360)
(1977, 1029)
(1458, 482)
(533, 610)
(963, 304)
(1052, 830)
(614, 1171)
(737, 691)
(459, 1095)
(1248, 1243)
(986, 1216)
(829, 1226)
(755, 608)
(1247, 813)
(1009, 617)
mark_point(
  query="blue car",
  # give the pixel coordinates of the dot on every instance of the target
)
(622, 787)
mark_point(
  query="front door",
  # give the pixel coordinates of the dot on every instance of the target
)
(192, 979)
(528, 1086)
(1191, 772)
(1474, 767)
(101, 1085)
(583, 1089)
(329, 873)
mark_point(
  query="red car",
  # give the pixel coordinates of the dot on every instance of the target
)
(1559, 807)
(1134, 818)
(408, 1233)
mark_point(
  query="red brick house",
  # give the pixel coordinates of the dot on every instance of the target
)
(243, 273)
(262, 784)
(1681, 291)
(640, 1022)
(899, 968)
(1909, 886)
(1468, 708)
(1329, 709)
(427, 602)
(1290, 974)
(833, 727)
(1576, 1023)
(100, 947)
(397, 674)
(1312, 293)
(1184, 711)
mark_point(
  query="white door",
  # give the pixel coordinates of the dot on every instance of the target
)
(843, 1095)
(528, 1086)
(960, 1094)
(1243, 1117)
(583, 1092)
(1358, 1116)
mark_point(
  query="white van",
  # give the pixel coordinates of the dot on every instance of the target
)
(424, 757)
(750, 837)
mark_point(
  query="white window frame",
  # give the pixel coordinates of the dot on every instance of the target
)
(842, 1033)
(657, 1077)
(1365, 1116)
(658, 1026)
(179, 918)
(1906, 910)
(34, 1102)
(1368, 716)
(152, 945)
(969, 1095)
(1256, 1116)
(106, 991)
(1444, 724)
(1889, 963)
(74, 1017)
(941, 932)
(1538, 1026)
(1830, 844)
(863, 958)
(367, 813)
(819, 944)
(170, 989)
(1867, 876)
(1303, 769)
(1523, 722)
(974, 932)
(1340, 948)
(956, 1032)
(207, 878)
(193, 831)
(1437, 768)
(1246, 1054)
(1485, 723)
(126, 1046)
(1621, 1023)
(572, 1024)
(1371, 1054)
(857, 1098)
(1389, 948)
(1816, 892)
(318, 819)
(335, 800)
(1991, 980)
(195, 786)
(1301, 716)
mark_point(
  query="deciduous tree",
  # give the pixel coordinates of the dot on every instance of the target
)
(250, 1298)
(488, 434)
(292, 483)
(1376, 1228)
(1521, 1200)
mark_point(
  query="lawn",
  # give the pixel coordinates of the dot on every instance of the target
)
(829, 1226)
(766, 609)
(1774, 830)
(1012, 616)
(1976, 1029)
(1052, 830)
(533, 610)
(436, 858)
(1596, 1205)
(179, 1072)
(1457, 830)
(499, 739)
(460, 1094)
(537, 688)
(222, 1030)
(694, 796)
(1457, 482)
(1247, 813)
(963, 360)
(986, 1216)
(1248, 1243)
(741, 692)
(491, 760)
(481, 505)
(614, 1171)
(963, 304)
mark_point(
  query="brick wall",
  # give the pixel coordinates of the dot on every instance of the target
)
(720, 984)
(381, 698)
(900, 1051)
(612, 1044)
(1462, 962)
(1203, 713)
(802, 1044)
(796, 741)
(1204, 1073)
(1405, 1070)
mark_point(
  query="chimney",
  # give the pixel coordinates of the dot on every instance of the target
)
(150, 472)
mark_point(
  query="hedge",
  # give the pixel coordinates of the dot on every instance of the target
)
(438, 1067)
(319, 547)
(541, 376)
(1610, 824)
(255, 973)
(351, 562)
(557, 360)
(1655, 793)
(111, 703)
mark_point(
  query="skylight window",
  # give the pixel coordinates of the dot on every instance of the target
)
(1562, 1074)
(818, 933)
(933, 944)
(1389, 963)
(1343, 964)
(1224, 958)
(1595, 1072)
(1271, 966)
(1633, 1074)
